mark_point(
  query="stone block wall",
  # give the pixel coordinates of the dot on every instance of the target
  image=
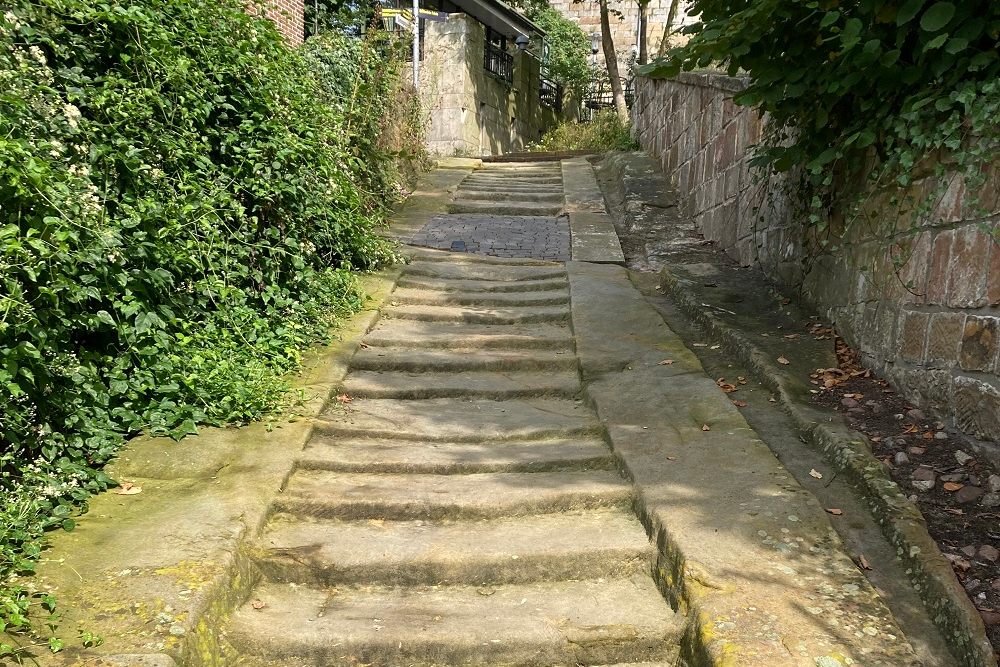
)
(917, 291)
(289, 16)
(624, 23)
(470, 111)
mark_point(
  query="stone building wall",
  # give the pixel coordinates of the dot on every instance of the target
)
(289, 16)
(471, 112)
(918, 293)
(625, 25)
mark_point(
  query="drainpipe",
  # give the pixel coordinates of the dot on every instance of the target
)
(416, 45)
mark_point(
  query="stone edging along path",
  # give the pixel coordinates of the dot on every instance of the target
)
(900, 520)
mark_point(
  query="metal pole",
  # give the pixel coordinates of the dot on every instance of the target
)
(416, 44)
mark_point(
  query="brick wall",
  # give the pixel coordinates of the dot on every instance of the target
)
(917, 292)
(289, 16)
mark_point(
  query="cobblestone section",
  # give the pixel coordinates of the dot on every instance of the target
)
(531, 236)
(918, 295)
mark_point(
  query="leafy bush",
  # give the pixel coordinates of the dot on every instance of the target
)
(842, 81)
(569, 48)
(182, 204)
(605, 132)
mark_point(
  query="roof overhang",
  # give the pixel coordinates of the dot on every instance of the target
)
(500, 17)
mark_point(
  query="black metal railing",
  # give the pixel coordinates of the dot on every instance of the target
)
(499, 63)
(599, 94)
(551, 94)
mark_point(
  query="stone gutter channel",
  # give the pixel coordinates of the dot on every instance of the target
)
(642, 189)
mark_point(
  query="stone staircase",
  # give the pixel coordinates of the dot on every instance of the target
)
(458, 504)
(528, 189)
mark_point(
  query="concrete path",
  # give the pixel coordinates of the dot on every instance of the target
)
(526, 466)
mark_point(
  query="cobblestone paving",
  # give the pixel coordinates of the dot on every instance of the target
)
(535, 237)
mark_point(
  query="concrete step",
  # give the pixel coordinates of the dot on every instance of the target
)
(465, 384)
(554, 196)
(571, 545)
(449, 420)
(431, 297)
(452, 458)
(519, 208)
(480, 271)
(456, 359)
(479, 314)
(327, 494)
(481, 286)
(453, 335)
(546, 623)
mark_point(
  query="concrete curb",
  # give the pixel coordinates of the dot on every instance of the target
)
(900, 521)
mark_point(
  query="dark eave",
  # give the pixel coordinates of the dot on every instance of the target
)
(500, 17)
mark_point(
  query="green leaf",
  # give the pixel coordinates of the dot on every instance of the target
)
(956, 45)
(936, 42)
(937, 16)
(829, 18)
(908, 11)
(852, 33)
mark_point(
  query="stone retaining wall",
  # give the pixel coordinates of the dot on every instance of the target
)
(918, 294)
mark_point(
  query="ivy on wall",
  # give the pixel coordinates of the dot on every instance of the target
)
(843, 82)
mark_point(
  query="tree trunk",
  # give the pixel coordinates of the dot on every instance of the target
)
(671, 17)
(643, 29)
(611, 60)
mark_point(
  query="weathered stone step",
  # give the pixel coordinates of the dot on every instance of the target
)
(479, 314)
(481, 271)
(452, 335)
(480, 495)
(474, 286)
(457, 359)
(465, 384)
(452, 458)
(449, 420)
(571, 545)
(419, 254)
(515, 187)
(512, 179)
(555, 196)
(412, 295)
(519, 208)
(546, 623)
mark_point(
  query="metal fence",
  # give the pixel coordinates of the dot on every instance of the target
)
(499, 63)
(551, 94)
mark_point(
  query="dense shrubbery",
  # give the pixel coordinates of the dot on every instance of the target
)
(841, 81)
(605, 132)
(182, 202)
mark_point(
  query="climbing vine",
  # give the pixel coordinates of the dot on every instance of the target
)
(859, 91)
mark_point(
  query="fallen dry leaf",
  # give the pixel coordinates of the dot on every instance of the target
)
(740, 404)
(344, 398)
(671, 458)
(726, 386)
(741, 380)
(699, 344)
(816, 473)
(772, 400)
(834, 511)
(791, 336)
(715, 347)
(666, 362)
(258, 604)
(910, 428)
(128, 489)
(952, 486)
(954, 510)
(783, 361)
(706, 427)
(863, 562)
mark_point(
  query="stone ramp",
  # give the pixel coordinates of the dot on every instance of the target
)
(546, 210)
(458, 505)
